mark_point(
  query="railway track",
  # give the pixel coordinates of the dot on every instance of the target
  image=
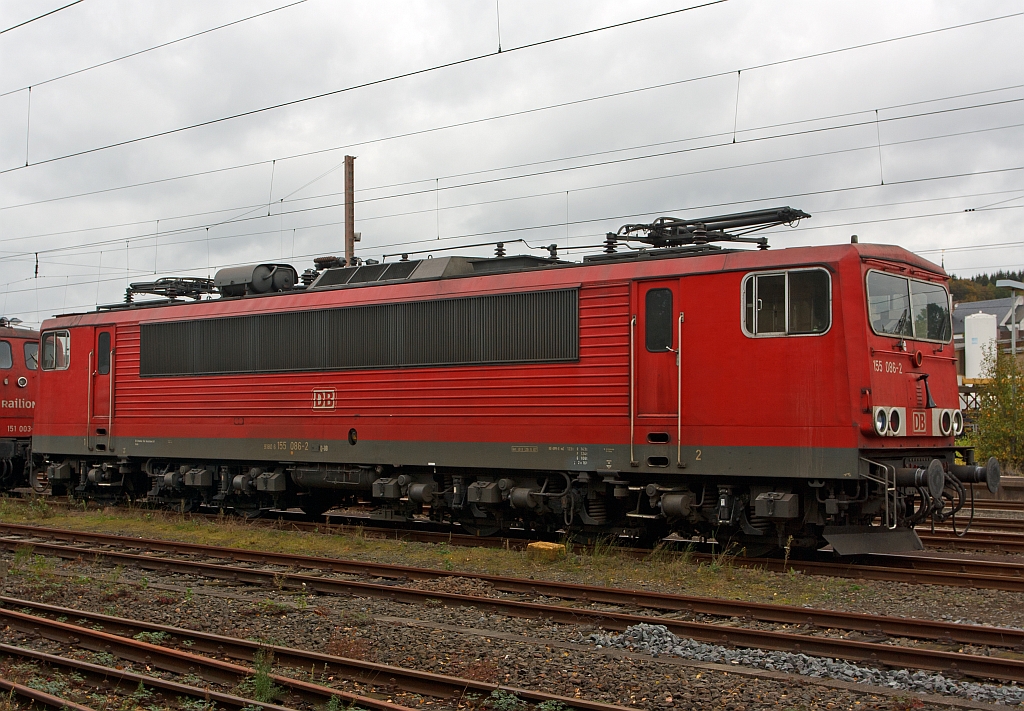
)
(587, 593)
(998, 505)
(910, 568)
(116, 635)
(991, 541)
(100, 676)
(39, 697)
(992, 667)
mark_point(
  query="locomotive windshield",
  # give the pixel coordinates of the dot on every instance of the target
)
(6, 361)
(900, 306)
(31, 355)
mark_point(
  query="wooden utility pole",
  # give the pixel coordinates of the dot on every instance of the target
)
(350, 218)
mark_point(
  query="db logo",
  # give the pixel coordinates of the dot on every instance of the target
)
(920, 422)
(323, 399)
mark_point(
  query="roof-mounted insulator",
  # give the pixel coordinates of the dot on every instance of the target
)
(499, 249)
(553, 251)
(610, 241)
(309, 276)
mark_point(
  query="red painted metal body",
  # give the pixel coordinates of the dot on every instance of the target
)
(814, 391)
(17, 382)
(658, 402)
(17, 401)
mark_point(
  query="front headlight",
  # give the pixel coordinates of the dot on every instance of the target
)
(958, 423)
(945, 422)
(881, 421)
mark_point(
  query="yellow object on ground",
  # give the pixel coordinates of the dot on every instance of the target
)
(542, 550)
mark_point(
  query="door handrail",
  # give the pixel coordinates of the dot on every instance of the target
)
(110, 399)
(679, 394)
(632, 387)
(88, 407)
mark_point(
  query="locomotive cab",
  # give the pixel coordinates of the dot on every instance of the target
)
(18, 369)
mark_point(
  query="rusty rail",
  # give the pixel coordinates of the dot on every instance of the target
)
(764, 612)
(411, 680)
(41, 697)
(873, 653)
(101, 674)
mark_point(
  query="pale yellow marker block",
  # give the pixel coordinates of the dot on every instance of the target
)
(542, 550)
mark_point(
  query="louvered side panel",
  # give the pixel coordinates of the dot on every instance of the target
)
(594, 385)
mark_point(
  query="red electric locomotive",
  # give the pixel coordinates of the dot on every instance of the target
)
(763, 396)
(18, 361)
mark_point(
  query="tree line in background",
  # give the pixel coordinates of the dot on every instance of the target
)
(981, 287)
(998, 417)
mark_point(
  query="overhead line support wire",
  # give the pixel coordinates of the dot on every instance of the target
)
(496, 117)
(244, 216)
(631, 215)
(150, 49)
(493, 54)
(39, 17)
(814, 227)
(363, 85)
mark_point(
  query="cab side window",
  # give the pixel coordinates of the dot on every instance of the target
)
(6, 360)
(31, 355)
(56, 350)
(658, 319)
(797, 302)
(103, 353)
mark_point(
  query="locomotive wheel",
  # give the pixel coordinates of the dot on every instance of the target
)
(481, 530)
(38, 480)
(314, 505)
(248, 513)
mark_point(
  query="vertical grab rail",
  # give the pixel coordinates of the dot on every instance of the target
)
(110, 400)
(632, 358)
(679, 396)
(892, 522)
(88, 407)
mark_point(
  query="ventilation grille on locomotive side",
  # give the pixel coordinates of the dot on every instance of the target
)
(539, 326)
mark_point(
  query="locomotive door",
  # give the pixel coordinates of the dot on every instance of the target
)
(101, 387)
(656, 351)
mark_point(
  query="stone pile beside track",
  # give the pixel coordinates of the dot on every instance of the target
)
(657, 639)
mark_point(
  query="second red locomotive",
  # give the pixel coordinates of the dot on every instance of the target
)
(769, 397)
(18, 367)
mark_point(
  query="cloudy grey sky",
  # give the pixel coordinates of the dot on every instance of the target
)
(728, 107)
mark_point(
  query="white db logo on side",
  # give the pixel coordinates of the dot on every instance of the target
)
(323, 399)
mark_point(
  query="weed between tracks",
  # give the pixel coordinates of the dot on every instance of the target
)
(604, 564)
(72, 686)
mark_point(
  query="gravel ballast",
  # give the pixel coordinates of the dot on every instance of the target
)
(657, 640)
(460, 641)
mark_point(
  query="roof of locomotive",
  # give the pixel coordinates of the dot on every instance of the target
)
(26, 333)
(638, 264)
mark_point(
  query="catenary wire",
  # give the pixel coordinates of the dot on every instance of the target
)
(33, 85)
(39, 17)
(598, 219)
(121, 277)
(461, 124)
(555, 170)
(27, 258)
(377, 82)
(201, 228)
